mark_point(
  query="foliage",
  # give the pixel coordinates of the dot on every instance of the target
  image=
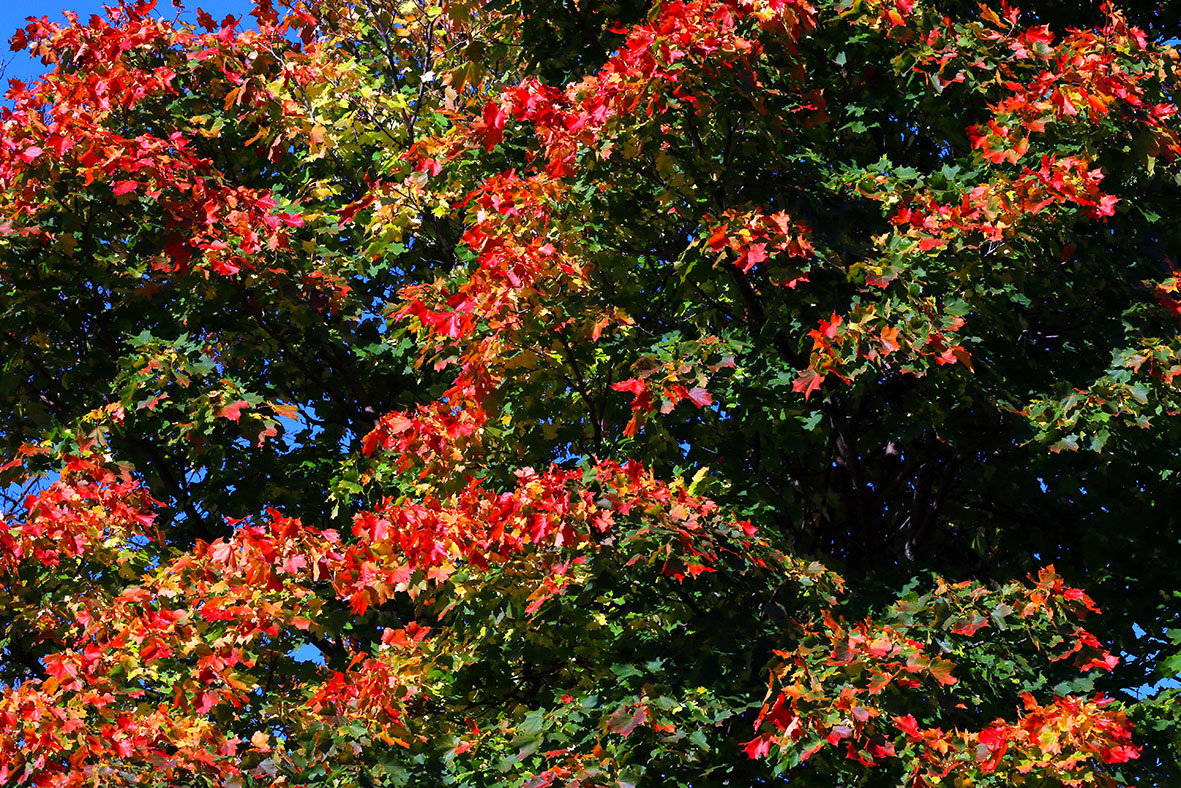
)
(681, 393)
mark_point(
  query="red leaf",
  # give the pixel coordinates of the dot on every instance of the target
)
(907, 724)
(756, 254)
(808, 381)
(970, 626)
(205, 702)
(359, 602)
(233, 411)
(634, 385)
(1106, 205)
(373, 441)
(758, 748)
(941, 671)
(1107, 662)
(623, 723)
(829, 327)
(1121, 754)
(220, 552)
(123, 187)
(431, 166)
(718, 239)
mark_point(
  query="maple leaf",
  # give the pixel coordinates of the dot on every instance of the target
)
(1121, 753)
(625, 720)
(373, 440)
(758, 747)
(1106, 662)
(889, 339)
(941, 669)
(807, 382)
(754, 255)
(233, 411)
(718, 238)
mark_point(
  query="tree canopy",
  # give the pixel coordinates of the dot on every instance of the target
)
(592, 393)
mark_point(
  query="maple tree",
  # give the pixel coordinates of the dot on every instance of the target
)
(506, 393)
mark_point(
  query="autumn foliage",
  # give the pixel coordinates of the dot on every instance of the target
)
(680, 393)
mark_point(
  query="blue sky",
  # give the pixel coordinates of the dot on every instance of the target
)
(14, 12)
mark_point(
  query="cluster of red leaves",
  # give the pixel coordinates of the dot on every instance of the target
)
(1084, 77)
(556, 511)
(517, 273)
(202, 613)
(45, 736)
(836, 687)
(684, 376)
(840, 345)
(995, 209)
(671, 392)
(89, 508)
(1098, 70)
(890, 14)
(516, 262)
(198, 615)
(1087, 76)
(686, 41)
(436, 436)
(70, 112)
(754, 237)
(376, 691)
(1062, 740)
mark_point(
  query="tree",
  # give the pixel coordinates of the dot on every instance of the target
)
(697, 392)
